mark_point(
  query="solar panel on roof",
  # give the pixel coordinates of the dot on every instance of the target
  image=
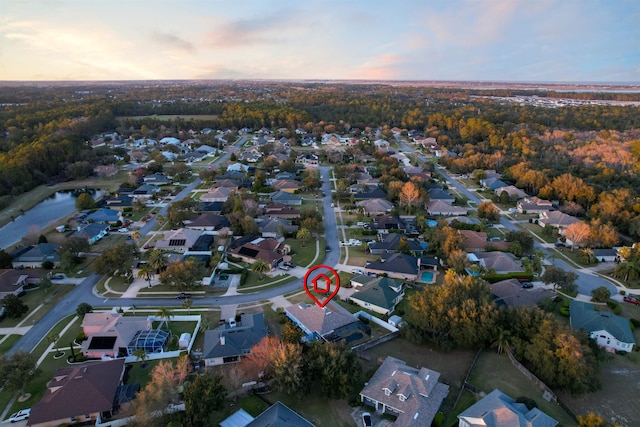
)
(102, 343)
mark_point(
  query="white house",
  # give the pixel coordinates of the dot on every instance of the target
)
(608, 330)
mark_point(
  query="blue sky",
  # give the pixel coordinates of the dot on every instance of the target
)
(503, 40)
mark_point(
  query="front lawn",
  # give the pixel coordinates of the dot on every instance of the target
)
(303, 253)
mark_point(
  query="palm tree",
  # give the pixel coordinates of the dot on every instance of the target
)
(146, 272)
(502, 340)
(155, 258)
(141, 355)
(165, 314)
(303, 234)
(630, 270)
(260, 266)
(587, 256)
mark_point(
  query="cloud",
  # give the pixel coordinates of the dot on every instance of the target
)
(172, 41)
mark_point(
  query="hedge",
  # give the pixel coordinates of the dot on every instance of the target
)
(493, 278)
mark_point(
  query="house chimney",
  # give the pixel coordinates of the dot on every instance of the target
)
(222, 340)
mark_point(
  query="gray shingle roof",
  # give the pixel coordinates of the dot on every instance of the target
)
(322, 320)
(583, 316)
(497, 409)
(396, 263)
(378, 291)
(237, 340)
(421, 389)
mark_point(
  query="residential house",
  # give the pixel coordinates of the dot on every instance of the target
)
(179, 240)
(92, 232)
(391, 241)
(14, 281)
(280, 210)
(492, 184)
(120, 202)
(237, 167)
(388, 222)
(208, 221)
(442, 207)
(212, 207)
(146, 191)
(437, 193)
(608, 330)
(381, 144)
(413, 395)
(556, 219)
(79, 394)
(276, 228)
(268, 250)
(496, 409)
(170, 140)
(157, 179)
(396, 266)
(104, 216)
(328, 323)
(34, 255)
(286, 185)
(228, 343)
(378, 294)
(476, 241)
(276, 415)
(110, 334)
(514, 192)
(375, 206)
(217, 194)
(285, 175)
(371, 193)
(606, 255)
(510, 293)
(534, 205)
(308, 159)
(231, 184)
(194, 156)
(286, 198)
(206, 149)
(500, 262)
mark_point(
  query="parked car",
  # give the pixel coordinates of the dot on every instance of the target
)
(366, 419)
(22, 414)
(632, 299)
(327, 249)
(560, 245)
(284, 267)
(123, 230)
(526, 285)
(183, 295)
(57, 276)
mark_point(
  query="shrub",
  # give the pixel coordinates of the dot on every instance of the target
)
(623, 292)
(47, 265)
(529, 403)
(635, 322)
(617, 310)
(438, 420)
(564, 311)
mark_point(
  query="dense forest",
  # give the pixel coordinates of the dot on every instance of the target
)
(586, 157)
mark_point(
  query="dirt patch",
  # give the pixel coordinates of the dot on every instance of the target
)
(618, 399)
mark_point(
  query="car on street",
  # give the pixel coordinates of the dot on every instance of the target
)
(327, 249)
(183, 295)
(632, 299)
(366, 419)
(21, 415)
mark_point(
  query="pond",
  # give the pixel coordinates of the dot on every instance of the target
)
(41, 215)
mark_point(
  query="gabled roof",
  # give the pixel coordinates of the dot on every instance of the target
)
(584, 316)
(95, 383)
(558, 218)
(286, 183)
(440, 194)
(272, 225)
(497, 409)
(103, 215)
(283, 195)
(238, 340)
(444, 206)
(396, 263)
(90, 231)
(388, 222)
(501, 262)
(322, 320)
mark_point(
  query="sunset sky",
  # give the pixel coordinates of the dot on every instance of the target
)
(506, 40)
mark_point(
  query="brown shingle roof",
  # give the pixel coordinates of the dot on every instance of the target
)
(78, 391)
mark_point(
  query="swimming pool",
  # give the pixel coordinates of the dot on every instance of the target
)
(427, 276)
(431, 223)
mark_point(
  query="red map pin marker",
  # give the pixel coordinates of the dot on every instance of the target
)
(321, 283)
